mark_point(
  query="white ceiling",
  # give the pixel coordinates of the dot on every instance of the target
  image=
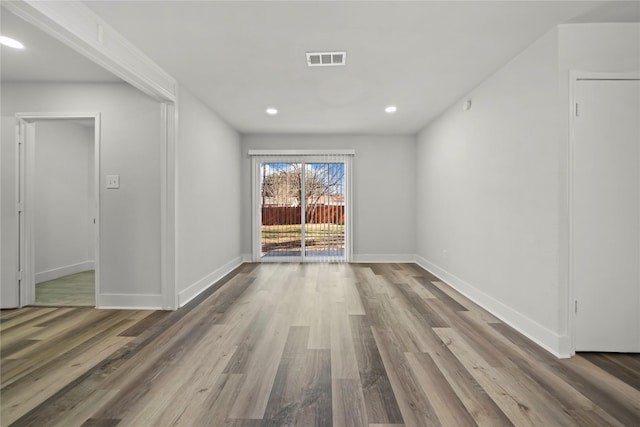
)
(241, 57)
(44, 59)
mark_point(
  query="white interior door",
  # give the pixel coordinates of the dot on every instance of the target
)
(26, 154)
(606, 215)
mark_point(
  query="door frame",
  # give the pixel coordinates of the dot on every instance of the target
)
(25, 172)
(574, 77)
(304, 157)
(77, 26)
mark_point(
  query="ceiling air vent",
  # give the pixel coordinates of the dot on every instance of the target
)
(326, 59)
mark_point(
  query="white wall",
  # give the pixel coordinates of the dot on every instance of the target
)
(63, 231)
(593, 48)
(130, 147)
(8, 228)
(492, 181)
(488, 193)
(208, 200)
(383, 189)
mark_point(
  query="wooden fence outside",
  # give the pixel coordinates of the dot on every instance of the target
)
(276, 215)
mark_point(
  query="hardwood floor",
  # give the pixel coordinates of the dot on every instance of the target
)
(303, 345)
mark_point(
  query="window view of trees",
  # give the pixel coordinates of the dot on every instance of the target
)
(282, 184)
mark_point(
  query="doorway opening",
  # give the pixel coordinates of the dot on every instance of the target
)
(301, 208)
(58, 215)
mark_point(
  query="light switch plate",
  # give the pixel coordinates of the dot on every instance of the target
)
(113, 181)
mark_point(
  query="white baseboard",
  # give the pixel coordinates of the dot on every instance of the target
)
(129, 301)
(201, 285)
(66, 270)
(544, 337)
(247, 258)
(564, 347)
(379, 258)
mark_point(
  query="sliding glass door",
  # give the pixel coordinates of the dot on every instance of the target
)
(301, 208)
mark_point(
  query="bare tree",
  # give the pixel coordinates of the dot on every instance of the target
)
(283, 187)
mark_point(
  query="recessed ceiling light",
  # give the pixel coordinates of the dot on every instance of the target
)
(7, 41)
(272, 111)
(391, 109)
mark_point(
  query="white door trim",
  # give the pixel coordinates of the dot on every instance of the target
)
(574, 77)
(168, 137)
(25, 200)
(78, 27)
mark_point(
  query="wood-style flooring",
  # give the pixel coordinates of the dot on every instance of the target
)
(303, 345)
(77, 289)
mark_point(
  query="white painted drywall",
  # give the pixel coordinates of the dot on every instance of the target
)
(383, 189)
(209, 193)
(492, 216)
(487, 190)
(592, 48)
(63, 233)
(8, 219)
(130, 147)
(599, 48)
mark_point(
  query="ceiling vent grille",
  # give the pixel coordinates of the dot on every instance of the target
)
(326, 59)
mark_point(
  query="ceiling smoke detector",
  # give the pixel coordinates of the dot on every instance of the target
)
(326, 59)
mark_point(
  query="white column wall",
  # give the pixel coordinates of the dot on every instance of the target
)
(208, 199)
(130, 147)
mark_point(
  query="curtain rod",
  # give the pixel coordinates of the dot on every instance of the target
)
(302, 152)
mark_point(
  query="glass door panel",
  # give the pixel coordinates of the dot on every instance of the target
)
(281, 194)
(324, 195)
